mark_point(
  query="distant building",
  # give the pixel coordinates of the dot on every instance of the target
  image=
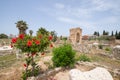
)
(12, 36)
(85, 37)
(75, 35)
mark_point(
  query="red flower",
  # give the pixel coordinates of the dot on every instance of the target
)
(51, 45)
(14, 40)
(42, 53)
(33, 53)
(25, 65)
(29, 43)
(21, 36)
(11, 45)
(50, 37)
(37, 42)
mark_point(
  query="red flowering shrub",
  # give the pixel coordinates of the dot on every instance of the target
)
(14, 40)
(25, 65)
(51, 45)
(43, 53)
(50, 37)
(31, 45)
(21, 36)
(37, 42)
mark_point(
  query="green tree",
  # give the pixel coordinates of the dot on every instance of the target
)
(22, 27)
(30, 32)
(95, 33)
(98, 34)
(104, 32)
(112, 34)
(116, 34)
(3, 36)
(43, 31)
(107, 33)
(54, 34)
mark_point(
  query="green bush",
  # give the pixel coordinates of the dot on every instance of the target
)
(100, 46)
(84, 58)
(63, 56)
(107, 49)
(64, 38)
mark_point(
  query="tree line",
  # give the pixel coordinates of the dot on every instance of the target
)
(3, 36)
(116, 34)
(23, 26)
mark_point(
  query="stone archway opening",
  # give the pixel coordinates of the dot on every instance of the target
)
(77, 37)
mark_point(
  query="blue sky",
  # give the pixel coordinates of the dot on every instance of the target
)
(60, 15)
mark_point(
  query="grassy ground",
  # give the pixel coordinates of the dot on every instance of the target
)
(9, 65)
(103, 60)
(7, 41)
(7, 60)
(10, 59)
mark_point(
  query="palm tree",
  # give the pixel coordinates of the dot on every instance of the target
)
(22, 27)
(31, 32)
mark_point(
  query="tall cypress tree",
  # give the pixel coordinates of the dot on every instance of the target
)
(98, 34)
(112, 34)
(95, 33)
(116, 34)
(104, 32)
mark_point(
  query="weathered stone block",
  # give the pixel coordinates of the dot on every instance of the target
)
(95, 74)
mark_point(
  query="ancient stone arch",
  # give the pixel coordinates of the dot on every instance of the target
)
(78, 37)
(75, 35)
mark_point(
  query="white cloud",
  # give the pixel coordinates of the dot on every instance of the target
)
(83, 11)
(80, 13)
(59, 6)
(98, 5)
(108, 20)
(104, 5)
(87, 27)
(98, 11)
(75, 22)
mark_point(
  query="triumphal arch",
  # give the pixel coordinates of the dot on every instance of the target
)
(75, 35)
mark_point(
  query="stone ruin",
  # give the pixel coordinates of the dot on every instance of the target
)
(98, 73)
(75, 35)
(116, 52)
